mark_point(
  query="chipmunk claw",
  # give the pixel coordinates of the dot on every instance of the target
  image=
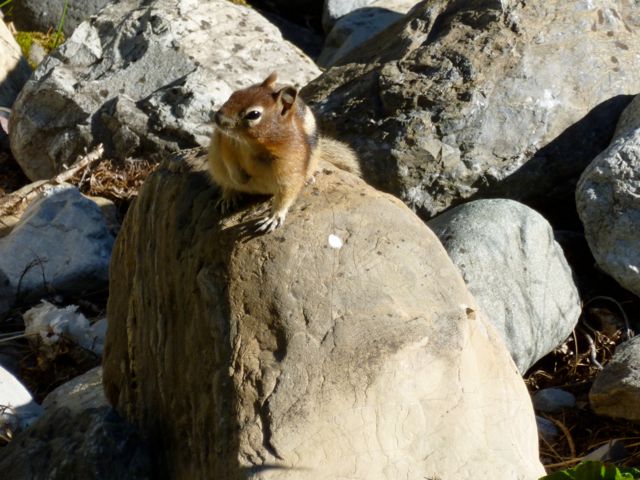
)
(227, 204)
(270, 223)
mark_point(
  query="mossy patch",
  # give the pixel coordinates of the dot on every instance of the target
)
(48, 41)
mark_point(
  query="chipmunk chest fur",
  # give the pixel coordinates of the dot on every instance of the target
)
(265, 141)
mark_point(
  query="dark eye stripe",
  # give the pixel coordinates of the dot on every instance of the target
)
(253, 115)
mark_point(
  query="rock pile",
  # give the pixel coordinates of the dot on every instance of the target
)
(356, 341)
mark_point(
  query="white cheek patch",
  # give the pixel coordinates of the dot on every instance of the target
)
(309, 123)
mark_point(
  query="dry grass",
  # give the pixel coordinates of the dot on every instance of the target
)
(11, 177)
(573, 367)
(116, 180)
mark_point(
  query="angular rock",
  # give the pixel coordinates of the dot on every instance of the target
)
(14, 69)
(143, 78)
(79, 436)
(12, 215)
(608, 202)
(83, 392)
(616, 389)
(484, 98)
(61, 244)
(553, 399)
(45, 15)
(343, 345)
(516, 271)
(613, 451)
(358, 26)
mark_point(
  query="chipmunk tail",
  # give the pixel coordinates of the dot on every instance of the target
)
(340, 155)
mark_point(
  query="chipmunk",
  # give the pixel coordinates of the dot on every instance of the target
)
(266, 141)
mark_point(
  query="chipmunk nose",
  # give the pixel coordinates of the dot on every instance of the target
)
(222, 120)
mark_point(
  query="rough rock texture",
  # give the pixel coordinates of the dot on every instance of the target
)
(286, 356)
(335, 9)
(142, 78)
(516, 271)
(616, 389)
(360, 25)
(79, 436)
(43, 15)
(11, 216)
(608, 202)
(493, 98)
(61, 244)
(14, 69)
(84, 391)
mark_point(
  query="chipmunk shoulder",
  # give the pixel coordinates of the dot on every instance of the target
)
(266, 141)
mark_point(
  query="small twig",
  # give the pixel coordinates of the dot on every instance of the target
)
(592, 350)
(8, 334)
(628, 333)
(567, 434)
(37, 261)
(550, 447)
(566, 463)
(575, 345)
(16, 337)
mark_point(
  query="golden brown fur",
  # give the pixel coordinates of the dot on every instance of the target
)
(266, 141)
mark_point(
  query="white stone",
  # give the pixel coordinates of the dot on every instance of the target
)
(18, 410)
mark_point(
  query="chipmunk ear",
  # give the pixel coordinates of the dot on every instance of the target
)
(286, 97)
(270, 81)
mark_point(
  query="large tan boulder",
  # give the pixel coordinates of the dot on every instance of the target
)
(344, 345)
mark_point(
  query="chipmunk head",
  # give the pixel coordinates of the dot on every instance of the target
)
(259, 113)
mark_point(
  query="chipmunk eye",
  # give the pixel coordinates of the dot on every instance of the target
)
(253, 115)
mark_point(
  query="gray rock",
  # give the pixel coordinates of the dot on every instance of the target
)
(79, 436)
(143, 78)
(61, 244)
(616, 389)
(14, 69)
(553, 400)
(335, 9)
(83, 392)
(296, 355)
(629, 119)
(518, 273)
(613, 451)
(608, 202)
(484, 98)
(546, 428)
(358, 26)
(45, 15)
(12, 215)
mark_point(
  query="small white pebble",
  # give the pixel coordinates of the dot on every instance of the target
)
(335, 241)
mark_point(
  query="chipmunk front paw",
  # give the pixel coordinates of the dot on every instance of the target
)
(271, 222)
